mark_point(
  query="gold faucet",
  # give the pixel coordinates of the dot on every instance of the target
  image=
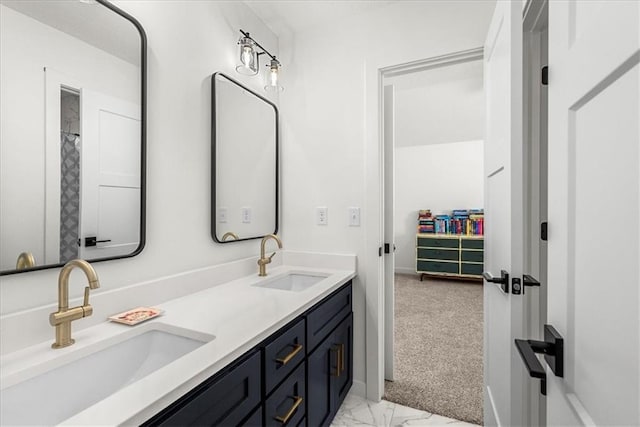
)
(25, 260)
(64, 316)
(229, 234)
(264, 260)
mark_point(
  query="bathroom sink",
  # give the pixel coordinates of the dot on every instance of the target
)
(59, 393)
(293, 281)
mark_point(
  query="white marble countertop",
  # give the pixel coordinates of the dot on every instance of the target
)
(237, 313)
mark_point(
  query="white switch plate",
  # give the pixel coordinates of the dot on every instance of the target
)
(222, 215)
(322, 215)
(246, 215)
(354, 217)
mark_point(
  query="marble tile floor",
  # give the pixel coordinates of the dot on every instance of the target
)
(356, 411)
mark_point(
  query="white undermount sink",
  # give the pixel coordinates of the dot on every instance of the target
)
(293, 281)
(61, 392)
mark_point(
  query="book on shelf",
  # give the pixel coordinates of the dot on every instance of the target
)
(469, 222)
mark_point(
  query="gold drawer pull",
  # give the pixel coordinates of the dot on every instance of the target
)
(341, 358)
(288, 357)
(285, 419)
(337, 349)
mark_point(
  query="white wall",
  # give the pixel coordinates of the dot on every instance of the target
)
(439, 177)
(325, 108)
(444, 104)
(188, 42)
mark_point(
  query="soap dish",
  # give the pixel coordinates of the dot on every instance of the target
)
(136, 315)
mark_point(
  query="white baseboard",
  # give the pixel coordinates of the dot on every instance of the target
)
(359, 389)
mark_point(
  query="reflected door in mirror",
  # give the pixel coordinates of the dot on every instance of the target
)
(72, 137)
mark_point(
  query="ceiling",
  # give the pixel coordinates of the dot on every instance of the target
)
(89, 22)
(293, 16)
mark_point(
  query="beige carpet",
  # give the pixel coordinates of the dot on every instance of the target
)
(438, 347)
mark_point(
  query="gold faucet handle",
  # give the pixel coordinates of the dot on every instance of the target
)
(271, 256)
(86, 296)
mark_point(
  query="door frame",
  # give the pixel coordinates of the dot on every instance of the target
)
(375, 300)
(535, 112)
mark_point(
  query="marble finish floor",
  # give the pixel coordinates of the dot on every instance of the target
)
(356, 411)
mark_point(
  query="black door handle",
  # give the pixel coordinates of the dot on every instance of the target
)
(553, 349)
(93, 240)
(528, 280)
(503, 280)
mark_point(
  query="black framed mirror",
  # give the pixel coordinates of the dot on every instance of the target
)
(244, 173)
(73, 137)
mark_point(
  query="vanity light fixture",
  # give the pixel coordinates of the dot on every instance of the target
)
(274, 72)
(248, 56)
(250, 59)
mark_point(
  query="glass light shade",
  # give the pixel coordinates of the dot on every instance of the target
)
(248, 64)
(272, 77)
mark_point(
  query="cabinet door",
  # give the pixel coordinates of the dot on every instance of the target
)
(321, 369)
(330, 374)
(343, 338)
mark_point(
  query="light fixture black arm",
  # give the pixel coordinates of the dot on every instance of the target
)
(246, 34)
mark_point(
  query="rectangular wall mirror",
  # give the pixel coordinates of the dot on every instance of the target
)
(244, 177)
(72, 140)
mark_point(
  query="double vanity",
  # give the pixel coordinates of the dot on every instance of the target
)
(274, 350)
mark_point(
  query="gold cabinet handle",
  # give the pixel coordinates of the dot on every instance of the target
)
(288, 357)
(341, 358)
(296, 403)
(336, 348)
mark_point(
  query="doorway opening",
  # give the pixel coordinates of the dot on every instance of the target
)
(535, 141)
(69, 173)
(433, 119)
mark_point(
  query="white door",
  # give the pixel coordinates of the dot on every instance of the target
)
(389, 204)
(505, 402)
(110, 175)
(594, 211)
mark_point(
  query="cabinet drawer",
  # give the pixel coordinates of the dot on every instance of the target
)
(288, 403)
(283, 354)
(322, 320)
(475, 269)
(448, 254)
(437, 267)
(434, 242)
(473, 256)
(254, 420)
(472, 243)
(224, 400)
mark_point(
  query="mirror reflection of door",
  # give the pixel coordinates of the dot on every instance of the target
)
(68, 67)
(110, 176)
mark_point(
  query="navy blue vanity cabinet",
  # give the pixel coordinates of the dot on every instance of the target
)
(297, 377)
(228, 398)
(330, 363)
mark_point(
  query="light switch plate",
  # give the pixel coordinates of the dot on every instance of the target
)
(322, 215)
(354, 217)
(222, 215)
(246, 215)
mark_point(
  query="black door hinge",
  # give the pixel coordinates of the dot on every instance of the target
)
(545, 75)
(543, 230)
